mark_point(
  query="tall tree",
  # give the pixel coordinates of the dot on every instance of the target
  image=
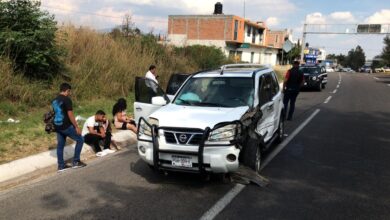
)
(385, 55)
(356, 58)
(27, 36)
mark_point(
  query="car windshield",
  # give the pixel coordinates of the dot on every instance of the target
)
(310, 70)
(227, 92)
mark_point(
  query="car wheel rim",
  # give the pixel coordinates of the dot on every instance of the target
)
(258, 160)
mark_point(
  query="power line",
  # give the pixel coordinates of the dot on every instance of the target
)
(107, 16)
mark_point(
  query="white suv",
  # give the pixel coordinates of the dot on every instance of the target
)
(213, 120)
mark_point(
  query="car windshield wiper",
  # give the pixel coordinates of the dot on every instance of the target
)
(211, 104)
(186, 102)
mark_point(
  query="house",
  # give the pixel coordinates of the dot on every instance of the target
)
(239, 38)
(276, 39)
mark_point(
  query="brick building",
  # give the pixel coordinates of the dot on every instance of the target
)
(238, 38)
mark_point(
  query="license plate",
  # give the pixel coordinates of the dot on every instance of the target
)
(181, 161)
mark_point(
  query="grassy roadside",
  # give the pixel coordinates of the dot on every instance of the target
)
(28, 137)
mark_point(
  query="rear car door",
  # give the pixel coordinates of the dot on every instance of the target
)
(145, 90)
(277, 99)
(265, 124)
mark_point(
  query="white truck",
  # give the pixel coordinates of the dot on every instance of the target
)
(212, 121)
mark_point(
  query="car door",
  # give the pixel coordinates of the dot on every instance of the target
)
(175, 82)
(264, 125)
(145, 90)
(277, 99)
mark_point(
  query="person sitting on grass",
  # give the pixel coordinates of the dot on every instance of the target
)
(94, 131)
(121, 120)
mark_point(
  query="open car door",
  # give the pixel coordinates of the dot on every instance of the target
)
(148, 98)
(175, 82)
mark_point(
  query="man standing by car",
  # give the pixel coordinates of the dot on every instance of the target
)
(66, 126)
(152, 74)
(293, 81)
(152, 82)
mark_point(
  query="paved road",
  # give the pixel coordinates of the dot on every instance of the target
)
(335, 168)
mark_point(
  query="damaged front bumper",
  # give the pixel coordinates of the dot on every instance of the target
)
(155, 148)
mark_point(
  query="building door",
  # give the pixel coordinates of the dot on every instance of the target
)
(252, 56)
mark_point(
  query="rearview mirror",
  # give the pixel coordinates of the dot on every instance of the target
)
(159, 100)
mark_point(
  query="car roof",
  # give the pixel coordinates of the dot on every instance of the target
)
(233, 72)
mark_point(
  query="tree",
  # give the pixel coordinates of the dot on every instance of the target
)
(385, 55)
(356, 58)
(294, 53)
(27, 37)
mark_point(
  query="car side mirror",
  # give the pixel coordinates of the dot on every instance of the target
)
(159, 100)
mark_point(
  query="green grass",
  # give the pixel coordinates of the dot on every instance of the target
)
(28, 137)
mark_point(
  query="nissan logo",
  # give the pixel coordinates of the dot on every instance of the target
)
(183, 138)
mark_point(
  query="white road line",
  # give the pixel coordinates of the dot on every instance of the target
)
(222, 203)
(334, 91)
(288, 139)
(388, 84)
(338, 86)
(327, 99)
(228, 197)
(376, 78)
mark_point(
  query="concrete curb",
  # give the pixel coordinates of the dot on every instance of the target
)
(23, 166)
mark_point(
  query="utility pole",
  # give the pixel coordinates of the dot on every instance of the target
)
(303, 41)
(244, 9)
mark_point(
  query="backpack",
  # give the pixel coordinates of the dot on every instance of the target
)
(48, 119)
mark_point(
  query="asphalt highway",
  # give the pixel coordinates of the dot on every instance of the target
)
(336, 167)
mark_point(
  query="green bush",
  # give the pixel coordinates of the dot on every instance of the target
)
(205, 57)
(27, 37)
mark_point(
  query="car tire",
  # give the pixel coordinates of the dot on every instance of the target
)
(323, 85)
(280, 131)
(319, 87)
(251, 155)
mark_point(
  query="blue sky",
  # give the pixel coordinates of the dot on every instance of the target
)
(151, 15)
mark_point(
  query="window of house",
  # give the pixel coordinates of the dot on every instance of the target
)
(249, 31)
(235, 29)
(276, 38)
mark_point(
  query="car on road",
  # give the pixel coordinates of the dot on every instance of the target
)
(315, 76)
(366, 69)
(217, 120)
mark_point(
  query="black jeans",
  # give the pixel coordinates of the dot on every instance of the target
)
(289, 97)
(93, 139)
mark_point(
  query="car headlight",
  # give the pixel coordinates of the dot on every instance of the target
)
(314, 78)
(226, 133)
(145, 129)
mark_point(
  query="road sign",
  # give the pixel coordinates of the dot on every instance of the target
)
(287, 46)
(368, 28)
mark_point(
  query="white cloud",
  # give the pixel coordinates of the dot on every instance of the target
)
(272, 21)
(315, 18)
(342, 16)
(380, 17)
(61, 7)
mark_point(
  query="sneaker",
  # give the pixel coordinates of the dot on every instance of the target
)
(64, 168)
(101, 154)
(78, 164)
(108, 151)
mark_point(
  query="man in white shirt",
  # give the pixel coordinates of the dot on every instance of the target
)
(152, 74)
(94, 131)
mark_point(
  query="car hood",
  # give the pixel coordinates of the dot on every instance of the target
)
(173, 115)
